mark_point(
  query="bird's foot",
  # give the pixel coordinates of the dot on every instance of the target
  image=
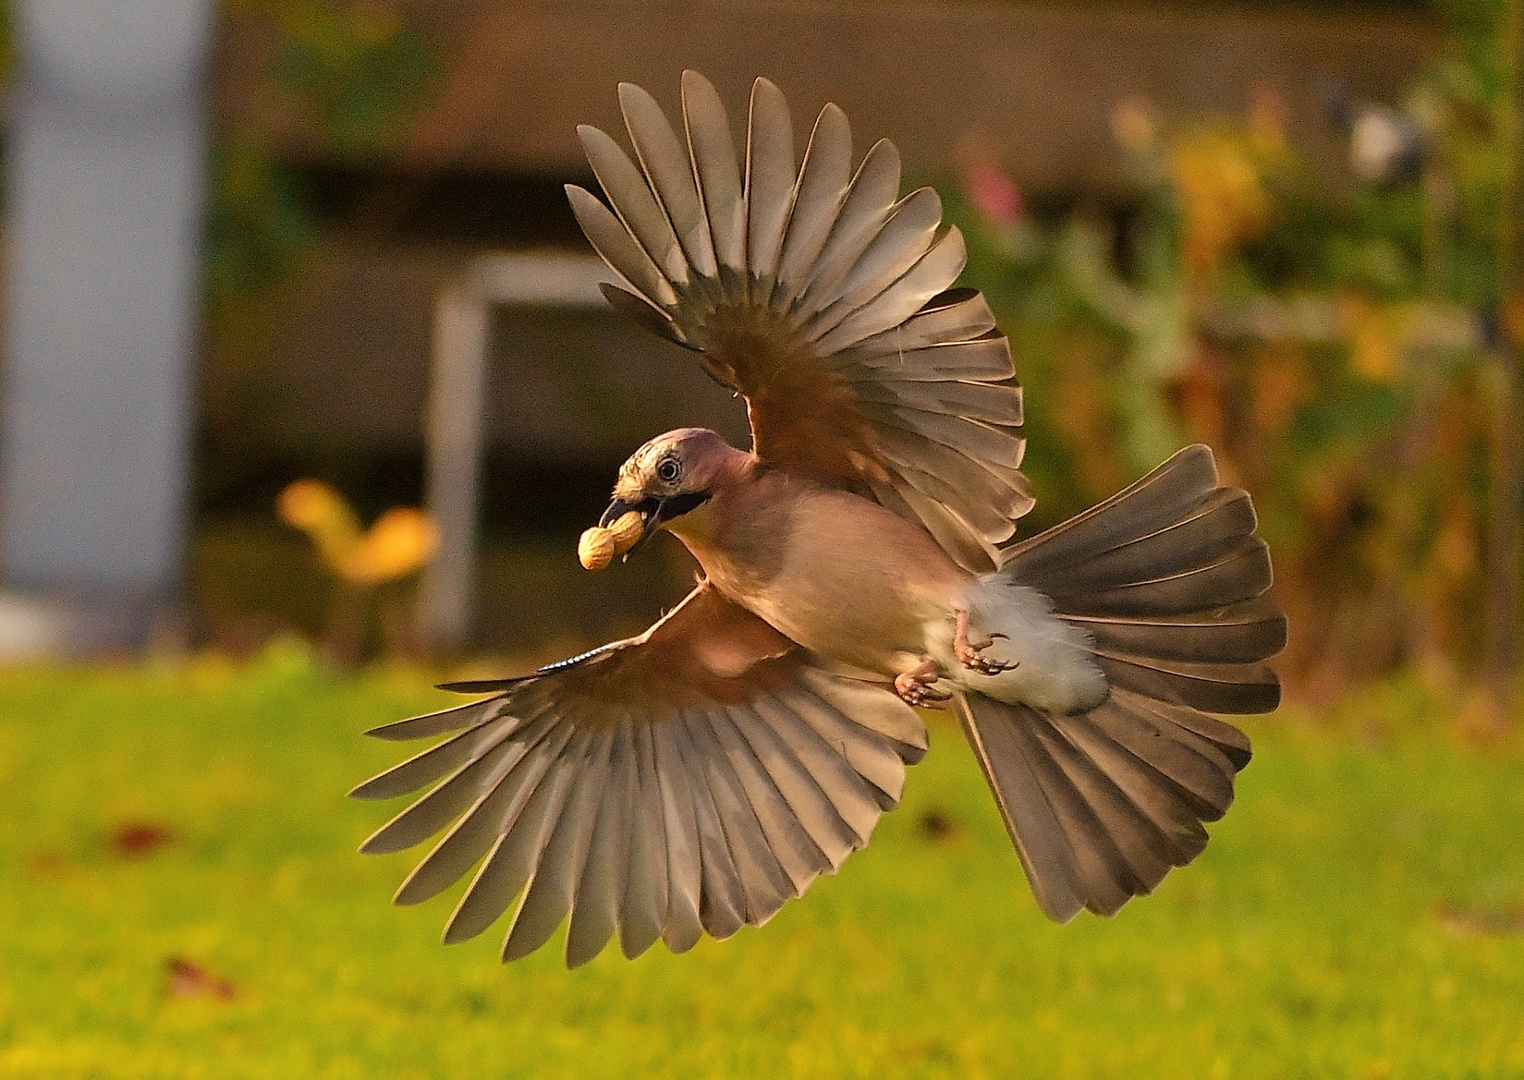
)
(915, 686)
(971, 653)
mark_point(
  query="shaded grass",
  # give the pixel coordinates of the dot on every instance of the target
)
(242, 565)
(1357, 914)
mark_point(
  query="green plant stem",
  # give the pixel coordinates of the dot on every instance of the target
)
(343, 644)
(1505, 528)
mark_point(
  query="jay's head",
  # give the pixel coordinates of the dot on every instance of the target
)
(673, 475)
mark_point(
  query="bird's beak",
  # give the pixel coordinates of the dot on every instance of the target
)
(618, 508)
(653, 513)
(650, 517)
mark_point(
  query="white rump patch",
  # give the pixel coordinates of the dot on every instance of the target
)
(1054, 670)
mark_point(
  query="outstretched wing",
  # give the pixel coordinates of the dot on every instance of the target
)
(825, 299)
(685, 781)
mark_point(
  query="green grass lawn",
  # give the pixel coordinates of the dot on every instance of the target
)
(1360, 913)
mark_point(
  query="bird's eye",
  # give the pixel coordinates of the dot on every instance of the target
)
(668, 470)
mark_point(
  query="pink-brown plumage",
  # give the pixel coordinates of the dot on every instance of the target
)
(834, 571)
(856, 560)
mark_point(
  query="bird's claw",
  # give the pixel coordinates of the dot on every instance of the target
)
(971, 653)
(915, 688)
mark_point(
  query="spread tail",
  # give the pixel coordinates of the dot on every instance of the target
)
(1167, 581)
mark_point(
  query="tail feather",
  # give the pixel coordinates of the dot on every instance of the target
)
(1218, 688)
(1143, 507)
(1100, 805)
(1203, 535)
(1242, 574)
(1135, 854)
(1167, 581)
(1221, 737)
(1239, 634)
(1062, 847)
(1172, 809)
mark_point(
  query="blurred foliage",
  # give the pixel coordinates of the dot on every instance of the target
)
(397, 545)
(398, 542)
(355, 70)
(1334, 338)
(258, 226)
(7, 44)
(357, 73)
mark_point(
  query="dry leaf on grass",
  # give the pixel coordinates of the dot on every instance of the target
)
(139, 839)
(188, 979)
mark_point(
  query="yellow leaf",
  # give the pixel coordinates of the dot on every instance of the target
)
(1374, 338)
(1222, 197)
(320, 512)
(401, 541)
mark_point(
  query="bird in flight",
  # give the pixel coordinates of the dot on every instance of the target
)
(858, 561)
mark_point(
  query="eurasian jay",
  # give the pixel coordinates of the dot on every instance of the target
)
(857, 561)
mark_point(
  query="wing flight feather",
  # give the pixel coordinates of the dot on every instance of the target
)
(819, 294)
(687, 781)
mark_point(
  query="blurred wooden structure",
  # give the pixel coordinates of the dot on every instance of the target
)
(345, 369)
(457, 415)
(1033, 85)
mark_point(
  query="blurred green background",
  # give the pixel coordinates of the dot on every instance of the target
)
(1289, 230)
(183, 900)
(1308, 267)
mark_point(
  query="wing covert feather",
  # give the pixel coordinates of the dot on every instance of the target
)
(687, 781)
(820, 295)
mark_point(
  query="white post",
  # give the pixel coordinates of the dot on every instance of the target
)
(453, 433)
(455, 416)
(105, 163)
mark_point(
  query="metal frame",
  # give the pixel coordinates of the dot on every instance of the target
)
(455, 415)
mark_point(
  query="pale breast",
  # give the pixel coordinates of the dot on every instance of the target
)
(836, 572)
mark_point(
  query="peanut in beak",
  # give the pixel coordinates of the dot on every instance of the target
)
(598, 546)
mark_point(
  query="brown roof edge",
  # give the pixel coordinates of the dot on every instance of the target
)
(1033, 85)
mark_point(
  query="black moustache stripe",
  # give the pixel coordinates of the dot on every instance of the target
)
(678, 505)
